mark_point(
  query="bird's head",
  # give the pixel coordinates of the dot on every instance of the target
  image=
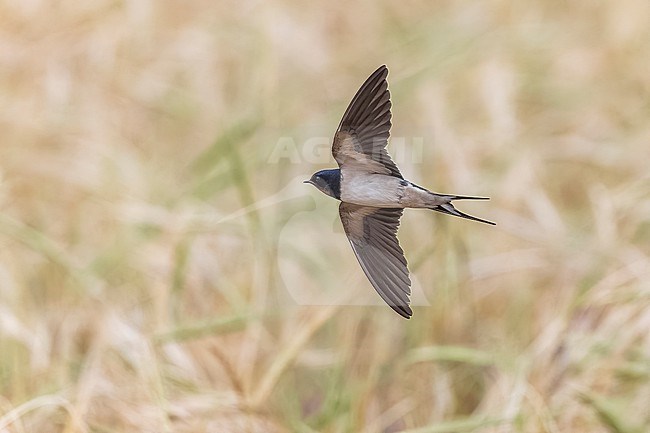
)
(328, 182)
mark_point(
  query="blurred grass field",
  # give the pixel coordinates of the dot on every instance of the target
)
(148, 280)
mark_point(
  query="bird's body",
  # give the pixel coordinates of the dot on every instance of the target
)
(371, 189)
(380, 190)
(373, 192)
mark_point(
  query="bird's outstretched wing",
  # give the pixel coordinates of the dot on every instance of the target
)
(361, 138)
(372, 232)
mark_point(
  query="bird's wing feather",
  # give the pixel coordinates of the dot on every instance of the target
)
(372, 232)
(361, 138)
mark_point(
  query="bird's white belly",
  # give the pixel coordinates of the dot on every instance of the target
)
(371, 189)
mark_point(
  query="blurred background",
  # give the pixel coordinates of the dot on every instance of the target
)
(163, 269)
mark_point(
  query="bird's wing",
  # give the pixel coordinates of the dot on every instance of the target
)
(372, 232)
(361, 138)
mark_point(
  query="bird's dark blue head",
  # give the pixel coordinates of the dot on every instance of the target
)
(328, 181)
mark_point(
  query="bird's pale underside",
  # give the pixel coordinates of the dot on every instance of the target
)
(373, 192)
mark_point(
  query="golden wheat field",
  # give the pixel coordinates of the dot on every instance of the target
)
(164, 269)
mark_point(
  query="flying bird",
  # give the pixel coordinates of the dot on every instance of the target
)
(373, 192)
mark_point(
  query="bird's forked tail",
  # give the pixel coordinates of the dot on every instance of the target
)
(449, 209)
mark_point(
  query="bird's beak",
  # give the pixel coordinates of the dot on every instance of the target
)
(306, 181)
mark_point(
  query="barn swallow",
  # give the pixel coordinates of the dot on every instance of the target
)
(373, 192)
